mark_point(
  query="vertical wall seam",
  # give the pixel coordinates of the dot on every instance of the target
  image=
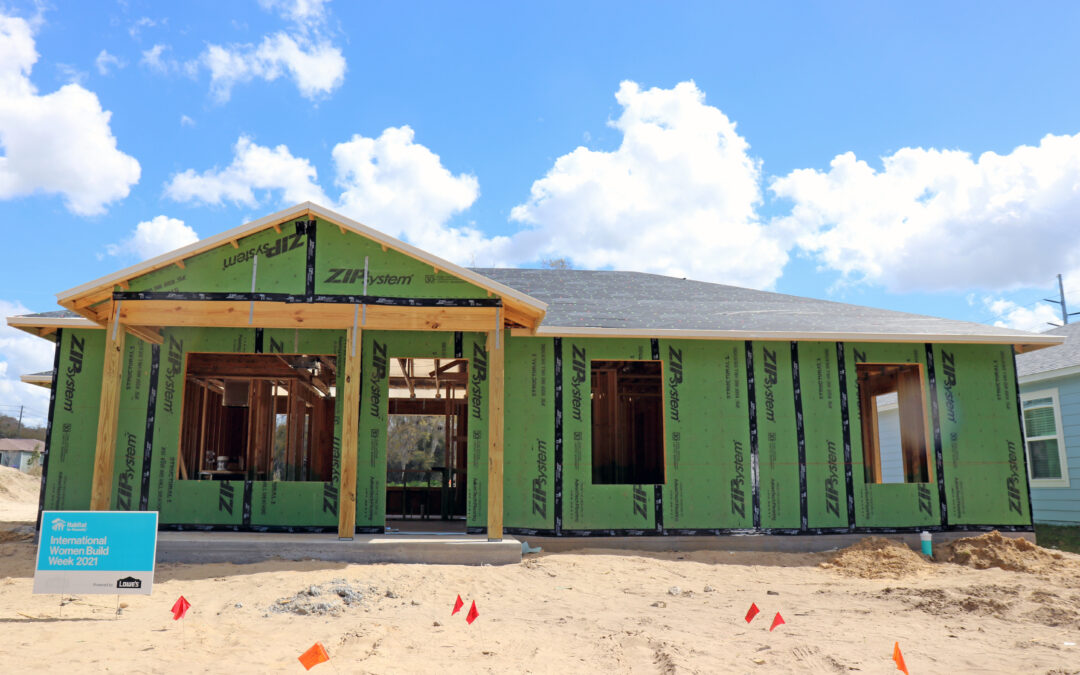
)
(939, 452)
(49, 424)
(751, 397)
(1023, 441)
(148, 436)
(459, 344)
(658, 488)
(309, 279)
(558, 378)
(849, 482)
(800, 434)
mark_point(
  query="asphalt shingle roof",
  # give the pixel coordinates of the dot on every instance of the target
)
(636, 300)
(1052, 358)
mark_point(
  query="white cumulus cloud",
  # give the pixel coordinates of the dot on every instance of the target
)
(254, 167)
(22, 354)
(402, 188)
(941, 219)
(679, 196)
(316, 70)
(55, 143)
(389, 182)
(153, 237)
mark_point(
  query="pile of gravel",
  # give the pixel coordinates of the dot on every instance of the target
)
(331, 598)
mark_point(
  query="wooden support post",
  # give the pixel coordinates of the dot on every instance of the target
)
(350, 427)
(101, 488)
(495, 436)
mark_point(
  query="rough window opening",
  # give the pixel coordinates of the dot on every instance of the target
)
(893, 423)
(258, 416)
(627, 422)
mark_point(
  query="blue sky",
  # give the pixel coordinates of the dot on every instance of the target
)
(833, 150)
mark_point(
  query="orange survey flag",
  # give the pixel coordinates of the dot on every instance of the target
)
(180, 608)
(457, 606)
(314, 656)
(899, 658)
(471, 616)
(752, 612)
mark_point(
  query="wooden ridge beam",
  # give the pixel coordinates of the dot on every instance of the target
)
(239, 314)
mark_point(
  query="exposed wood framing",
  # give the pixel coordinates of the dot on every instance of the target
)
(302, 315)
(146, 334)
(495, 437)
(104, 454)
(350, 428)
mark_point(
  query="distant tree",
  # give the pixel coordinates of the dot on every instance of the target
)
(556, 264)
(9, 428)
(415, 442)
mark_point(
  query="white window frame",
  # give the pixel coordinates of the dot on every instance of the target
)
(1051, 394)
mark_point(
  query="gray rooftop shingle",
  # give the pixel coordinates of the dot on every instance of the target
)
(640, 301)
(1052, 358)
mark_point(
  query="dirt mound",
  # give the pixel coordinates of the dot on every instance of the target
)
(877, 558)
(993, 550)
(16, 486)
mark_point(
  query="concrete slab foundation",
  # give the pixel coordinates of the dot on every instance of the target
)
(250, 547)
(750, 542)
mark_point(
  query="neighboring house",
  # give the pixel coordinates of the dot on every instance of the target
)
(21, 453)
(246, 382)
(1050, 397)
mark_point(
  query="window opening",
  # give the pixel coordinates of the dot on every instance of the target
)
(891, 408)
(1044, 440)
(258, 416)
(627, 423)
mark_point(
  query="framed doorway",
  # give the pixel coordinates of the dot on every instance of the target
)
(427, 446)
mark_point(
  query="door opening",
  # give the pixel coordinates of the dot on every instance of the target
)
(427, 446)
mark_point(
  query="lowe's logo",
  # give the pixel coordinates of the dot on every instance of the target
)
(129, 582)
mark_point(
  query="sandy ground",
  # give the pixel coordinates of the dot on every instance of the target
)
(589, 611)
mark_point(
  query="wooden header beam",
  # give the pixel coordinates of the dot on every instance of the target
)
(301, 315)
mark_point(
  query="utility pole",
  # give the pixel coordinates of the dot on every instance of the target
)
(1064, 310)
(19, 429)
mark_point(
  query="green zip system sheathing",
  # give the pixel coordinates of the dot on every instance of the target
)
(758, 436)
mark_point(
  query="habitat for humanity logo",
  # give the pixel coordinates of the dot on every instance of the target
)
(61, 525)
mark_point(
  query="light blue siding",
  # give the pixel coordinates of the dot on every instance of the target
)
(1061, 505)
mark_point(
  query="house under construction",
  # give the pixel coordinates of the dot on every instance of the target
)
(251, 381)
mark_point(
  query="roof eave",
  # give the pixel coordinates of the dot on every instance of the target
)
(1023, 343)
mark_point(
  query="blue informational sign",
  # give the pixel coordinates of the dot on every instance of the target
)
(83, 552)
